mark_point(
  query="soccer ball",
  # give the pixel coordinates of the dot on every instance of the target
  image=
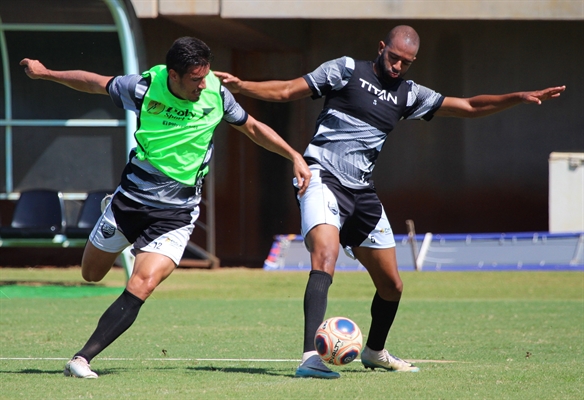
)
(338, 341)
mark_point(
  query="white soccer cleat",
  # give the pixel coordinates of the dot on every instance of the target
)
(382, 359)
(78, 367)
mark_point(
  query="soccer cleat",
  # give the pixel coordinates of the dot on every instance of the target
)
(382, 359)
(78, 367)
(313, 367)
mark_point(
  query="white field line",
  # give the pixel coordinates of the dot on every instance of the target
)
(193, 359)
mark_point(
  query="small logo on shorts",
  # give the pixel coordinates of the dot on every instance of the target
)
(385, 231)
(107, 230)
(172, 242)
(333, 208)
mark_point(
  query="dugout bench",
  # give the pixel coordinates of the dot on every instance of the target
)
(39, 220)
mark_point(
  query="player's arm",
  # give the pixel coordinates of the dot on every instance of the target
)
(82, 81)
(279, 91)
(266, 137)
(483, 105)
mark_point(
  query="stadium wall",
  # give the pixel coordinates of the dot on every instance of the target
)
(364, 9)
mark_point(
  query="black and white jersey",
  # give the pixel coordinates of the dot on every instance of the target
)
(359, 112)
(141, 181)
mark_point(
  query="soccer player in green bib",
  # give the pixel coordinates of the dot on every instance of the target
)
(155, 207)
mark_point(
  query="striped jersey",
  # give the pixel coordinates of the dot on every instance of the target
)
(359, 112)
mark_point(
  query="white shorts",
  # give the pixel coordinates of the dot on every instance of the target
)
(357, 213)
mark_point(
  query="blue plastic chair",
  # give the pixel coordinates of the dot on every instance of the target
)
(39, 213)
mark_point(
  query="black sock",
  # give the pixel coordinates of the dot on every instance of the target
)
(382, 316)
(315, 299)
(114, 321)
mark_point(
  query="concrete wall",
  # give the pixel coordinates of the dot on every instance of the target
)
(370, 9)
(449, 175)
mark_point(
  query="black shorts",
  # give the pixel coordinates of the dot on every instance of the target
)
(158, 230)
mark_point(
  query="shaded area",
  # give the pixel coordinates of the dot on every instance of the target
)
(35, 256)
(45, 289)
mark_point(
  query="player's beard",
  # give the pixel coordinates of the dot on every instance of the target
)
(383, 71)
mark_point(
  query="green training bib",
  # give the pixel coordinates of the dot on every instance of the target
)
(175, 135)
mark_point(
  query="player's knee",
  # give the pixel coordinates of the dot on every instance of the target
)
(398, 287)
(141, 288)
(391, 291)
(142, 293)
(324, 259)
(95, 263)
(91, 276)
(93, 271)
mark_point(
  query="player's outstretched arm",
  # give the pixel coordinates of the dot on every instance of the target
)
(483, 105)
(278, 91)
(266, 137)
(82, 81)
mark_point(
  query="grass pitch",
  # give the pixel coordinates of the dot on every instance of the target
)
(237, 333)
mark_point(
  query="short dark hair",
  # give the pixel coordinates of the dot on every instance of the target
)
(186, 52)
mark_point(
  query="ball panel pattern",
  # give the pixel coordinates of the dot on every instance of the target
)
(338, 341)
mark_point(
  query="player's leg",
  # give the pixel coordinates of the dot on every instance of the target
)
(96, 263)
(371, 239)
(161, 244)
(150, 269)
(320, 227)
(323, 244)
(105, 244)
(382, 267)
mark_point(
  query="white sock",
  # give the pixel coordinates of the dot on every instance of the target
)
(307, 355)
(378, 354)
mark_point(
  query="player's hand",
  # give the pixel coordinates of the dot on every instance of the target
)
(231, 82)
(302, 174)
(34, 68)
(542, 95)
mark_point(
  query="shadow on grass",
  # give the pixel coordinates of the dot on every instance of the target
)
(242, 370)
(49, 283)
(31, 371)
(289, 372)
(264, 371)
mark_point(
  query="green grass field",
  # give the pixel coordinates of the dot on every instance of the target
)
(236, 333)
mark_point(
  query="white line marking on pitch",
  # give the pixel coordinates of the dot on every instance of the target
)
(192, 359)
